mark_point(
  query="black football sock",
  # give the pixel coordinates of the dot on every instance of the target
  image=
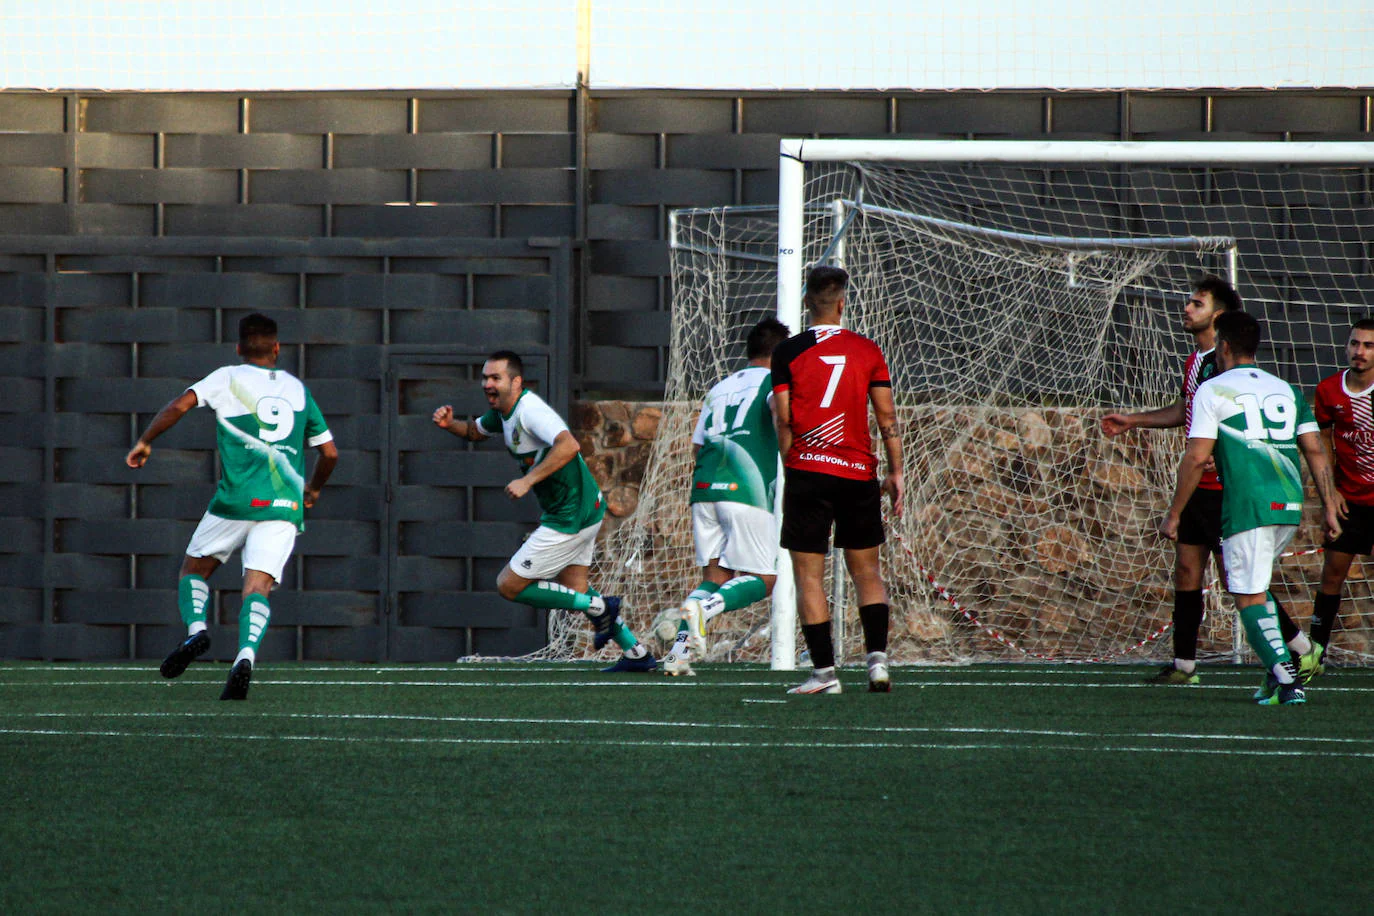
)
(874, 618)
(818, 643)
(1187, 622)
(1326, 609)
(1287, 628)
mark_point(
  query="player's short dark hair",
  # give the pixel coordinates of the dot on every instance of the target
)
(257, 336)
(1364, 324)
(514, 364)
(1223, 293)
(824, 287)
(1240, 330)
(766, 335)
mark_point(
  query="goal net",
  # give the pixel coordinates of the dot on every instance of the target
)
(1016, 304)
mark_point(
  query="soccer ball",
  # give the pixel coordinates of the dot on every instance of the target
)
(664, 627)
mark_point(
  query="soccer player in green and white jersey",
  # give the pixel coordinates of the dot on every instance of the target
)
(1255, 424)
(267, 419)
(733, 485)
(550, 568)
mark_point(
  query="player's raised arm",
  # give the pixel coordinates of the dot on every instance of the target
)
(1114, 424)
(463, 429)
(166, 418)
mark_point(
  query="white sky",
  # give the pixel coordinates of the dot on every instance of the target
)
(725, 44)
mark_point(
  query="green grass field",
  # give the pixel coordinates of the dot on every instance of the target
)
(553, 788)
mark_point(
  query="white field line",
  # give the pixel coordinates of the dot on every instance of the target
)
(652, 683)
(584, 667)
(683, 725)
(678, 743)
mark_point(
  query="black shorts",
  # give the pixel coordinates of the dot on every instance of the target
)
(1357, 531)
(1200, 523)
(813, 502)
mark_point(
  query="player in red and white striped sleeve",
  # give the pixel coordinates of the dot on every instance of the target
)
(1345, 412)
(823, 382)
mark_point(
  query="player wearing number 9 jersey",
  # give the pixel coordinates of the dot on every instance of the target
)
(266, 419)
(1255, 424)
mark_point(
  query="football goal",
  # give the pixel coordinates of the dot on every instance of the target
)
(1020, 290)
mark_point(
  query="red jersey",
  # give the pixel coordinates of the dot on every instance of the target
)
(1199, 368)
(1349, 416)
(827, 372)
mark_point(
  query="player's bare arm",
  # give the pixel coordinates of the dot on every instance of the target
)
(166, 418)
(1195, 460)
(1114, 424)
(782, 420)
(565, 449)
(885, 412)
(463, 429)
(1317, 461)
(328, 457)
(1329, 447)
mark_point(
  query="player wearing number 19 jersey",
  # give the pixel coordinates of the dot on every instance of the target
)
(1344, 408)
(733, 487)
(266, 420)
(1254, 424)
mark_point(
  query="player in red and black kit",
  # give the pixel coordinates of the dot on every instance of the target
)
(823, 382)
(1199, 533)
(1345, 413)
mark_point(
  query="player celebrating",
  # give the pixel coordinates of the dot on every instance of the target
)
(266, 419)
(1199, 532)
(1343, 410)
(554, 560)
(733, 486)
(1255, 424)
(823, 382)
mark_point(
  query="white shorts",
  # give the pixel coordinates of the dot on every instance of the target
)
(266, 545)
(744, 538)
(1249, 557)
(546, 552)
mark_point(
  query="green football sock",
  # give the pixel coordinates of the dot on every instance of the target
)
(623, 636)
(739, 592)
(703, 591)
(253, 617)
(1262, 632)
(192, 595)
(552, 596)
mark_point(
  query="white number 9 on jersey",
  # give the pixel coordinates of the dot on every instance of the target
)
(276, 418)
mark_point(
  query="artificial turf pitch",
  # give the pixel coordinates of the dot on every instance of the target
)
(554, 788)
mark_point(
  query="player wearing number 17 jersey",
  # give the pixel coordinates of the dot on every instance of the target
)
(733, 487)
(1254, 424)
(267, 419)
(824, 380)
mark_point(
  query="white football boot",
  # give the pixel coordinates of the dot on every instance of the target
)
(818, 683)
(696, 624)
(878, 680)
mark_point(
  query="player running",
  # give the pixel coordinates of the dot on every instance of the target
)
(267, 419)
(1199, 532)
(550, 569)
(733, 486)
(1346, 416)
(823, 382)
(1254, 424)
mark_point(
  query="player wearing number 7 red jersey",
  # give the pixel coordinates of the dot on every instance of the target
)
(823, 382)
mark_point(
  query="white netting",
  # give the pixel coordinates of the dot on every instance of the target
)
(1008, 336)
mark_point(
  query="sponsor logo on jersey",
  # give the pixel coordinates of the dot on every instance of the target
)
(273, 504)
(718, 486)
(831, 459)
(823, 334)
(1285, 507)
